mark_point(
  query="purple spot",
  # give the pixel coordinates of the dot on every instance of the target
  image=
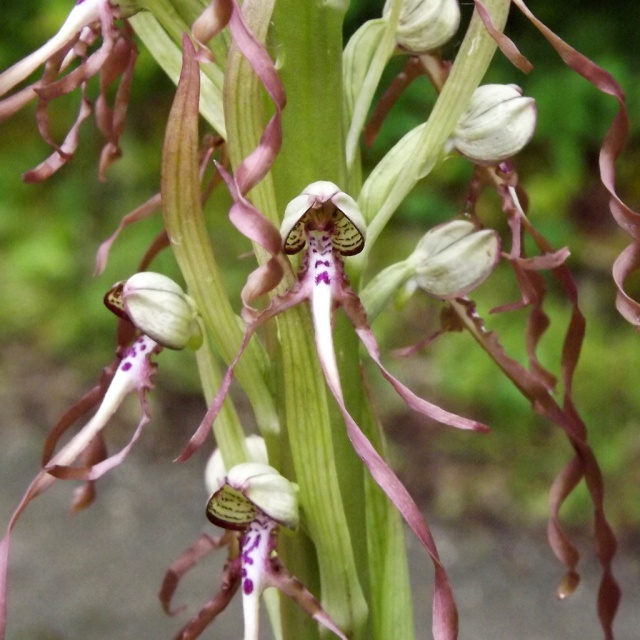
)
(323, 277)
(126, 366)
(247, 586)
(143, 347)
(322, 263)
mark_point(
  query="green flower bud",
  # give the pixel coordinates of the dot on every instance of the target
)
(449, 261)
(425, 25)
(249, 489)
(162, 310)
(497, 124)
(454, 258)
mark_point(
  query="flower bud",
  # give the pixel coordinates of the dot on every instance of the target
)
(159, 307)
(321, 204)
(215, 471)
(497, 124)
(425, 25)
(251, 488)
(454, 258)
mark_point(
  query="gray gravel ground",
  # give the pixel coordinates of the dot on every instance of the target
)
(95, 576)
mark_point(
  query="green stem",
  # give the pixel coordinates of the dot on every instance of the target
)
(312, 150)
(187, 231)
(227, 428)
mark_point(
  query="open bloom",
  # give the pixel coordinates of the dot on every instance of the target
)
(132, 373)
(327, 224)
(115, 57)
(251, 502)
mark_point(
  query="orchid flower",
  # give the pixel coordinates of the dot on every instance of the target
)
(251, 502)
(327, 224)
(167, 317)
(115, 57)
(133, 373)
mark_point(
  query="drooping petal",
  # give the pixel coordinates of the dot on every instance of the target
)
(64, 152)
(324, 284)
(146, 209)
(445, 616)
(134, 374)
(278, 304)
(231, 578)
(354, 309)
(626, 263)
(280, 578)
(82, 14)
(506, 45)
(199, 549)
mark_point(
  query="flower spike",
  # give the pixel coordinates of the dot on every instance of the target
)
(332, 226)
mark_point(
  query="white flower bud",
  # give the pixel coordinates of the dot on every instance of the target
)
(320, 204)
(159, 307)
(251, 488)
(454, 258)
(497, 124)
(215, 471)
(425, 25)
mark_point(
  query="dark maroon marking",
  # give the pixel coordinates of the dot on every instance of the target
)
(126, 366)
(323, 277)
(247, 586)
(322, 263)
(325, 238)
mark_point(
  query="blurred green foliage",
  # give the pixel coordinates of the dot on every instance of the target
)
(49, 234)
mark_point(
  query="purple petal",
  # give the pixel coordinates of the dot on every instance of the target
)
(204, 545)
(209, 612)
(354, 309)
(506, 45)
